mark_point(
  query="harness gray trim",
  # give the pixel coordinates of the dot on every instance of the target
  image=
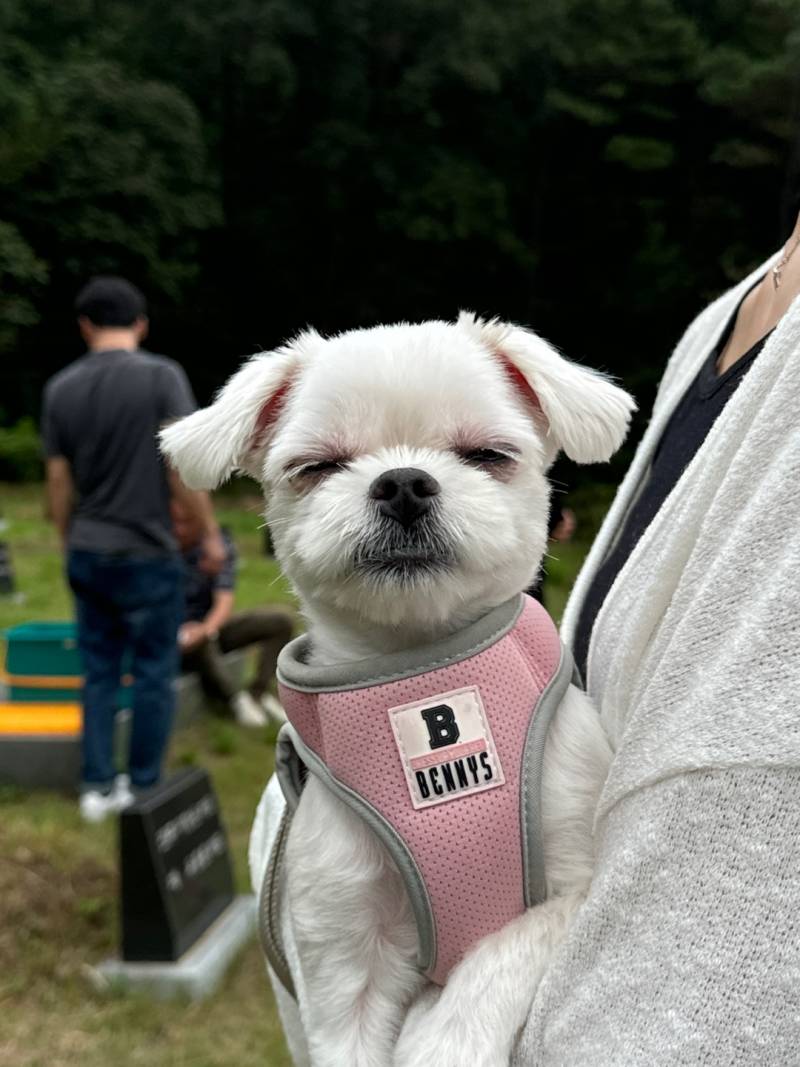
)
(531, 832)
(293, 751)
(269, 927)
(288, 767)
(297, 673)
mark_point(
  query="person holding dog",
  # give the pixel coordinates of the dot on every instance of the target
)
(109, 494)
(686, 626)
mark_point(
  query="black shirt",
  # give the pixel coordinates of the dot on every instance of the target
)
(683, 435)
(102, 414)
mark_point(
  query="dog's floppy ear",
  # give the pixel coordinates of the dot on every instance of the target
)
(583, 413)
(231, 434)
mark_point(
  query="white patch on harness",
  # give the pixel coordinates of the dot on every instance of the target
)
(446, 747)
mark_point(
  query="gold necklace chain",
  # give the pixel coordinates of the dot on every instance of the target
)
(777, 270)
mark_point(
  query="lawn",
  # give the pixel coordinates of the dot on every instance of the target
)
(58, 877)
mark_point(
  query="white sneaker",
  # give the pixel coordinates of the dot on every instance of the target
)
(95, 806)
(273, 707)
(247, 710)
(122, 792)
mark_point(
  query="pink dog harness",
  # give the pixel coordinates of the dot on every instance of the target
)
(440, 752)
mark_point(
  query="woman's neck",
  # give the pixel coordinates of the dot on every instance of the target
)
(766, 304)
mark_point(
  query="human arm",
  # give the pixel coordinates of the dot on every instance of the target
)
(198, 505)
(219, 596)
(685, 952)
(176, 401)
(59, 483)
(193, 632)
(60, 494)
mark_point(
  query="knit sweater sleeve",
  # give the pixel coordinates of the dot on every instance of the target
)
(686, 951)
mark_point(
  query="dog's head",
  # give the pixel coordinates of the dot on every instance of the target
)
(404, 466)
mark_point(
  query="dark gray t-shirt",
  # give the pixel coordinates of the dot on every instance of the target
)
(102, 414)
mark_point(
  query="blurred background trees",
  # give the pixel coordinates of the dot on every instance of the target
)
(596, 168)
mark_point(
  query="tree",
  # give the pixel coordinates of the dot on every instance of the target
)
(261, 164)
(99, 171)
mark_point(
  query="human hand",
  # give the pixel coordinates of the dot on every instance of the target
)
(213, 553)
(191, 634)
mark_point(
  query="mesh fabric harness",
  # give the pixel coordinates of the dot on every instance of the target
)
(440, 751)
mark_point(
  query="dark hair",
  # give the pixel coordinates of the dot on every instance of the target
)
(110, 301)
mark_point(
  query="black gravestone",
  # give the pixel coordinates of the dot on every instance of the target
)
(6, 571)
(175, 868)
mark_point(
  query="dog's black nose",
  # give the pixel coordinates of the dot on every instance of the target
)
(404, 494)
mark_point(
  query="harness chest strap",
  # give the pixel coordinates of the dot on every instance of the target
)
(440, 752)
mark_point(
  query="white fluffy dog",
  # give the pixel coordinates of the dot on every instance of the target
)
(476, 411)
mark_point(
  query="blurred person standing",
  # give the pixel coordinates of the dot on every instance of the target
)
(109, 493)
(211, 628)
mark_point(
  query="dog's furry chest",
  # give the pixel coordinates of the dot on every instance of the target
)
(338, 870)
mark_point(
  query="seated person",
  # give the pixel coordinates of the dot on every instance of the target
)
(560, 527)
(210, 629)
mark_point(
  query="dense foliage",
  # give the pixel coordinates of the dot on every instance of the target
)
(597, 168)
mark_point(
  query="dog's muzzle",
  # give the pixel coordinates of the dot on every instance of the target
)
(403, 553)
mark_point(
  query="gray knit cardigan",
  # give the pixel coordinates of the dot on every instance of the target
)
(687, 950)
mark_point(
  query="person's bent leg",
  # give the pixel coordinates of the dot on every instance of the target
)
(205, 660)
(270, 629)
(101, 641)
(153, 618)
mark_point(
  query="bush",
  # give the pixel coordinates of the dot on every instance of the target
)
(20, 452)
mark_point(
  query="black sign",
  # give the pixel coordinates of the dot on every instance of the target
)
(6, 572)
(175, 867)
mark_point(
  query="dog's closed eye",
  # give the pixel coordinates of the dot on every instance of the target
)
(497, 452)
(323, 466)
(310, 471)
(499, 461)
(484, 456)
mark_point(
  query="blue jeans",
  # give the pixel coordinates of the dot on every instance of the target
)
(126, 607)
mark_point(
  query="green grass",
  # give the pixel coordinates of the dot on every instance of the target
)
(58, 878)
(38, 564)
(58, 899)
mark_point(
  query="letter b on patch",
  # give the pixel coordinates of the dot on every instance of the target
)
(446, 747)
(442, 725)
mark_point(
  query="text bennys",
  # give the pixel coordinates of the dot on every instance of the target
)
(446, 747)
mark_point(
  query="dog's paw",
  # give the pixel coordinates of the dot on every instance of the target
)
(439, 1032)
(449, 1051)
